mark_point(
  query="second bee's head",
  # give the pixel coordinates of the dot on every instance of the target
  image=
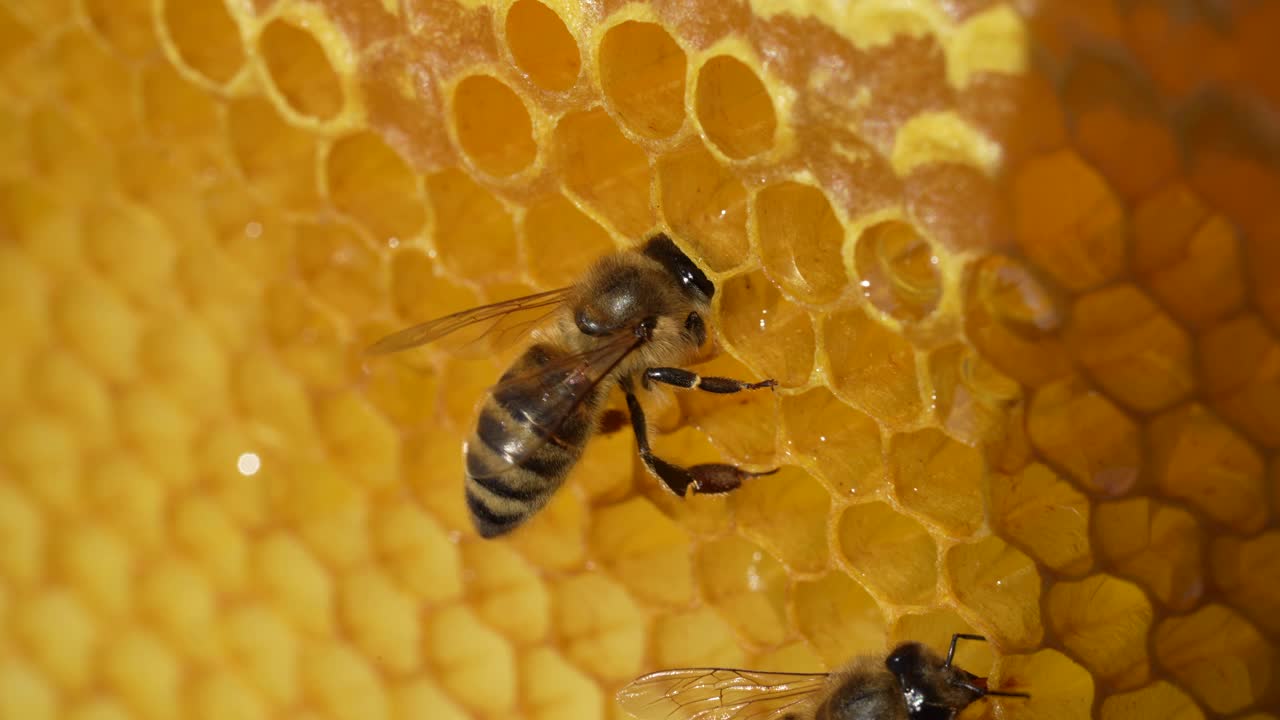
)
(657, 286)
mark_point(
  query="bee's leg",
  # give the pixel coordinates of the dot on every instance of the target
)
(707, 479)
(678, 377)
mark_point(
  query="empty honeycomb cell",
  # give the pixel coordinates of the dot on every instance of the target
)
(1045, 515)
(474, 234)
(890, 553)
(645, 551)
(1159, 699)
(61, 635)
(418, 294)
(22, 532)
(1198, 458)
(605, 169)
(371, 183)
(747, 586)
(421, 698)
(898, 270)
(507, 593)
(493, 125)
(553, 689)
(225, 694)
(1135, 352)
(97, 564)
(278, 159)
(25, 693)
(642, 74)
(182, 604)
(1068, 221)
(873, 366)
(742, 424)
(734, 107)
(1059, 688)
(174, 108)
(343, 683)
(705, 204)
(939, 478)
(843, 443)
(299, 68)
(838, 618)
(131, 248)
(1085, 434)
(800, 241)
(301, 588)
(760, 323)
(1104, 623)
(96, 323)
(1013, 319)
(1187, 257)
(1240, 370)
(263, 647)
(1217, 656)
(1000, 588)
(1244, 570)
(971, 397)
(541, 45)
(143, 672)
(382, 620)
(561, 240)
(405, 535)
(765, 506)
(206, 37)
(697, 638)
(601, 628)
(202, 529)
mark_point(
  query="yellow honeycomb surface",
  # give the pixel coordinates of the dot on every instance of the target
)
(1016, 267)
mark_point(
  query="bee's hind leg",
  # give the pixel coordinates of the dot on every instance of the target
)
(707, 479)
(687, 379)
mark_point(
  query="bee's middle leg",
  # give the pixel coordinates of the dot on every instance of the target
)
(687, 379)
(707, 479)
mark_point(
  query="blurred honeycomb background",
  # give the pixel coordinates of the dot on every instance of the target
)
(1015, 265)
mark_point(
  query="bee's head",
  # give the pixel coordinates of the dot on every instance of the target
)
(692, 281)
(931, 688)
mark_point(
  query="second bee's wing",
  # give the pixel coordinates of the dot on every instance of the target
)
(491, 320)
(721, 694)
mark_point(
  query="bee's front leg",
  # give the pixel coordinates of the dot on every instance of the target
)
(687, 379)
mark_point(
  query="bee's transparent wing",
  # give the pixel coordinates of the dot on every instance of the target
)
(721, 694)
(504, 321)
(544, 396)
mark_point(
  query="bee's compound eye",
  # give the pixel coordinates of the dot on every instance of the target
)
(696, 327)
(588, 324)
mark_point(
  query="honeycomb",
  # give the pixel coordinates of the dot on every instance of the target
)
(1016, 267)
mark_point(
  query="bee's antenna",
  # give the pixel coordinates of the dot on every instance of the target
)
(956, 638)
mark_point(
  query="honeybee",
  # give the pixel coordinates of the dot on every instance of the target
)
(913, 683)
(632, 317)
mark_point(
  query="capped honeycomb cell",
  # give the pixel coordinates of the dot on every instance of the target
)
(507, 593)
(762, 504)
(563, 240)
(898, 270)
(705, 204)
(61, 636)
(92, 82)
(1156, 544)
(23, 533)
(341, 682)
(371, 183)
(206, 37)
(1244, 569)
(475, 665)
(474, 234)
(493, 125)
(541, 45)
(1131, 348)
(734, 107)
(747, 586)
(698, 638)
(1197, 458)
(605, 169)
(602, 629)
(1159, 699)
(299, 69)
(1104, 622)
(1045, 515)
(838, 618)
(642, 72)
(1241, 377)
(182, 604)
(144, 673)
(1060, 689)
(971, 398)
(403, 536)
(842, 442)
(382, 620)
(939, 478)
(264, 648)
(1068, 221)
(1000, 587)
(1216, 655)
(553, 689)
(276, 157)
(800, 241)
(1014, 320)
(644, 550)
(1084, 433)
(890, 553)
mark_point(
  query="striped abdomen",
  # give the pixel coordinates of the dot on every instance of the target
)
(514, 461)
